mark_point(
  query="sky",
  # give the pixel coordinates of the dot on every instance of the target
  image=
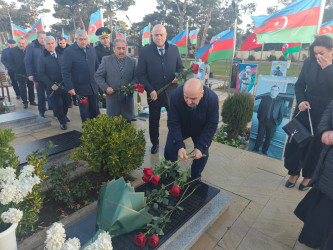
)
(144, 7)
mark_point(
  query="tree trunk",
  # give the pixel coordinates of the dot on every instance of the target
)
(74, 25)
(111, 23)
(81, 21)
(182, 15)
(204, 33)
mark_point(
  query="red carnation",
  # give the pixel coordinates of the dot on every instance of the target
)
(175, 190)
(84, 101)
(36, 85)
(146, 178)
(140, 240)
(153, 240)
(148, 171)
(195, 68)
(155, 179)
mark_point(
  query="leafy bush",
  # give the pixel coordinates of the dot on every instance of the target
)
(251, 58)
(111, 145)
(221, 136)
(237, 112)
(271, 58)
(281, 58)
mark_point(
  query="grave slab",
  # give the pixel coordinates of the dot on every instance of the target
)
(17, 119)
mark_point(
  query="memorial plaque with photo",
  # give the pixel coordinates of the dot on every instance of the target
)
(246, 77)
(279, 68)
(272, 108)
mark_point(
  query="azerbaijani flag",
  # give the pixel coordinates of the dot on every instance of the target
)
(32, 33)
(119, 35)
(295, 23)
(327, 29)
(180, 41)
(250, 43)
(68, 38)
(145, 35)
(221, 49)
(94, 24)
(193, 36)
(218, 36)
(18, 32)
(289, 48)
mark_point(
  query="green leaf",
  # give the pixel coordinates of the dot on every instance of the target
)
(156, 218)
(180, 208)
(165, 201)
(155, 206)
(161, 232)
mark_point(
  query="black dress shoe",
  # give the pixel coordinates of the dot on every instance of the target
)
(33, 104)
(18, 97)
(63, 126)
(50, 108)
(303, 188)
(289, 184)
(41, 115)
(25, 106)
(66, 119)
(154, 149)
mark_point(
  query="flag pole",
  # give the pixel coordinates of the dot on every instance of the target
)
(149, 33)
(321, 14)
(234, 41)
(299, 59)
(186, 52)
(259, 68)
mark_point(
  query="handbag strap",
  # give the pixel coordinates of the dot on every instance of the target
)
(309, 119)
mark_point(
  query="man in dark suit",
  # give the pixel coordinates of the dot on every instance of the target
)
(17, 65)
(157, 65)
(49, 71)
(193, 112)
(270, 114)
(78, 68)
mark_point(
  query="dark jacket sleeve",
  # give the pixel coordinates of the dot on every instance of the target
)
(325, 123)
(42, 74)
(4, 57)
(174, 123)
(142, 72)
(66, 69)
(28, 60)
(328, 73)
(180, 66)
(134, 79)
(11, 60)
(300, 85)
(207, 134)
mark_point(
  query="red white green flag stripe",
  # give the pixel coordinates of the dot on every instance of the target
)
(289, 48)
(327, 29)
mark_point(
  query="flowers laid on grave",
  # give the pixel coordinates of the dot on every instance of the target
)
(182, 78)
(56, 240)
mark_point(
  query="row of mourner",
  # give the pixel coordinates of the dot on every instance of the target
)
(81, 71)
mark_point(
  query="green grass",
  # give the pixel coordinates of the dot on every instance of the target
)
(218, 68)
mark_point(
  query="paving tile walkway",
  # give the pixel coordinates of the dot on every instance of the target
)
(260, 214)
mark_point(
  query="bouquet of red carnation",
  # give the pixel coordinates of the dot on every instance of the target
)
(139, 87)
(182, 77)
(60, 85)
(82, 99)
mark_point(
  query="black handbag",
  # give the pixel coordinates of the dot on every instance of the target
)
(296, 130)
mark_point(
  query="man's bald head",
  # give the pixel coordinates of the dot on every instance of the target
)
(193, 92)
(159, 35)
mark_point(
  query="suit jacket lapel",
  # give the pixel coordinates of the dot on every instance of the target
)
(115, 64)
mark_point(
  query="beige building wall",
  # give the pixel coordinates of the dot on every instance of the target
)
(245, 54)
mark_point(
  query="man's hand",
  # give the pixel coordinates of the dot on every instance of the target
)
(153, 95)
(54, 87)
(303, 106)
(174, 81)
(72, 92)
(182, 154)
(197, 154)
(109, 91)
(31, 78)
(323, 62)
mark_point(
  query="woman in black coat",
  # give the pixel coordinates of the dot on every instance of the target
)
(314, 91)
(316, 209)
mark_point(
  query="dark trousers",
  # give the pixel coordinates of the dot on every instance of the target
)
(14, 83)
(171, 154)
(60, 103)
(41, 90)
(154, 123)
(267, 129)
(24, 84)
(90, 109)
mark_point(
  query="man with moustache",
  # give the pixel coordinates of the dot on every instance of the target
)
(157, 65)
(112, 74)
(17, 65)
(193, 112)
(78, 69)
(49, 71)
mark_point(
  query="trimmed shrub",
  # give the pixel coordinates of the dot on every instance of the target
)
(111, 145)
(251, 58)
(237, 112)
(271, 58)
(281, 58)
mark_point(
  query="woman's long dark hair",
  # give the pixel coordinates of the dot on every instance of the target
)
(324, 41)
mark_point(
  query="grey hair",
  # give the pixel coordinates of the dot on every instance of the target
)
(47, 38)
(21, 38)
(80, 33)
(118, 40)
(40, 32)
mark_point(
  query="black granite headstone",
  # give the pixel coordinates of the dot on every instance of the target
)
(85, 229)
(61, 143)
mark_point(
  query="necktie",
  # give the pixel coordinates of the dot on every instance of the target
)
(161, 51)
(54, 55)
